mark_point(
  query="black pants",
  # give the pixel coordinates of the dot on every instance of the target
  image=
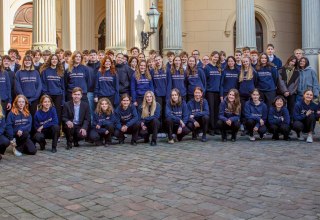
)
(4, 107)
(213, 99)
(279, 129)
(291, 101)
(4, 143)
(52, 132)
(133, 130)
(152, 128)
(139, 100)
(234, 128)
(250, 124)
(173, 128)
(98, 135)
(84, 97)
(268, 97)
(57, 101)
(73, 134)
(305, 125)
(162, 101)
(243, 100)
(25, 145)
(204, 124)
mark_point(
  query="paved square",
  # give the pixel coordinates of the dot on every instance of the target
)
(187, 180)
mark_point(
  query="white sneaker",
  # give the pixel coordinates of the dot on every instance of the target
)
(171, 141)
(252, 138)
(16, 152)
(241, 127)
(309, 139)
(301, 138)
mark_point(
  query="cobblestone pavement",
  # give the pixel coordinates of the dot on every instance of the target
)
(187, 180)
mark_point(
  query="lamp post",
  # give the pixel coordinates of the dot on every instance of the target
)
(153, 16)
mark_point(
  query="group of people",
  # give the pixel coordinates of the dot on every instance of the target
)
(102, 96)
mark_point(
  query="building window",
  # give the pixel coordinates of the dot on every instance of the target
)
(259, 35)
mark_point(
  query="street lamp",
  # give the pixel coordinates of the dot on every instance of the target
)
(153, 16)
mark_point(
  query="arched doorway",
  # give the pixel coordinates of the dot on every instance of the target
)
(259, 35)
(102, 35)
(21, 35)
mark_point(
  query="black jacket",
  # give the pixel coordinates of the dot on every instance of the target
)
(124, 75)
(84, 115)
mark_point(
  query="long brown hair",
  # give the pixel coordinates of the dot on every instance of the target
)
(71, 61)
(156, 68)
(147, 72)
(192, 70)
(47, 64)
(27, 58)
(268, 64)
(40, 106)
(99, 110)
(173, 67)
(1, 66)
(103, 68)
(234, 107)
(179, 98)
(15, 108)
(218, 64)
(201, 100)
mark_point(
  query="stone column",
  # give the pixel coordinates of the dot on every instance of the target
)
(4, 26)
(87, 25)
(69, 39)
(116, 25)
(172, 27)
(44, 25)
(246, 28)
(311, 31)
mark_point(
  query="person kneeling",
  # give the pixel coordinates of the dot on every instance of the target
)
(76, 118)
(103, 123)
(126, 120)
(256, 113)
(279, 119)
(229, 115)
(176, 116)
(19, 123)
(149, 113)
(46, 124)
(199, 114)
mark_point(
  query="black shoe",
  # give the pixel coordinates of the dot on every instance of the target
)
(211, 132)
(69, 145)
(76, 144)
(153, 143)
(133, 143)
(194, 136)
(275, 137)
(42, 145)
(54, 150)
(0, 157)
(204, 138)
(233, 137)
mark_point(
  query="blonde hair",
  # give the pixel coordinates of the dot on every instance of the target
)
(145, 107)
(234, 107)
(250, 71)
(1, 112)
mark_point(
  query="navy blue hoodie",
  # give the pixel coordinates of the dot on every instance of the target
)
(194, 108)
(140, 87)
(52, 84)
(225, 114)
(301, 108)
(2, 125)
(177, 113)
(277, 62)
(107, 85)
(94, 68)
(5, 87)
(156, 114)
(28, 83)
(267, 78)
(177, 81)
(229, 80)
(126, 117)
(247, 86)
(256, 112)
(104, 121)
(213, 77)
(16, 123)
(45, 119)
(160, 82)
(79, 77)
(275, 116)
(196, 80)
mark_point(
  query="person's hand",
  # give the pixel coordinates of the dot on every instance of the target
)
(8, 106)
(261, 122)
(309, 112)
(95, 99)
(179, 130)
(196, 124)
(19, 133)
(69, 124)
(83, 132)
(124, 128)
(282, 118)
(98, 127)
(191, 116)
(40, 129)
(182, 124)
(135, 103)
(255, 129)
(221, 98)
(229, 122)
(107, 132)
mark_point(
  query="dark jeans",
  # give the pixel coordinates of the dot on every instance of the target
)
(152, 128)
(4, 143)
(173, 128)
(52, 132)
(291, 101)
(250, 124)
(57, 101)
(243, 100)
(73, 134)
(279, 129)
(213, 99)
(162, 101)
(305, 125)
(25, 145)
(97, 135)
(133, 130)
(204, 124)
(234, 128)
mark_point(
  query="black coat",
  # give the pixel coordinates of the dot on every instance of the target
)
(84, 114)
